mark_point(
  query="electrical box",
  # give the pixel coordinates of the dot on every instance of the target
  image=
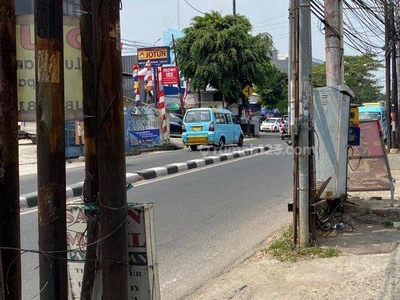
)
(331, 123)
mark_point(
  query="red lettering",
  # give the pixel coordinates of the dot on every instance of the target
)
(81, 217)
(26, 38)
(73, 38)
(135, 215)
(70, 217)
(78, 239)
(134, 240)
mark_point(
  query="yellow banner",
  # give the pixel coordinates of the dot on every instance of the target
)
(25, 36)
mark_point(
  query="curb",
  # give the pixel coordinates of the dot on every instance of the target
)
(30, 200)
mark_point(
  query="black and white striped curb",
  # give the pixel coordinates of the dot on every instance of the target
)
(75, 190)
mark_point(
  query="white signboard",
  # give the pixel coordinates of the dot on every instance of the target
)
(143, 282)
(143, 269)
(76, 246)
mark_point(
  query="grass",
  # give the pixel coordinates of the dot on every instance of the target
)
(388, 223)
(284, 250)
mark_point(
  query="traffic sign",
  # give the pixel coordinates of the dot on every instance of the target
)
(156, 55)
(247, 91)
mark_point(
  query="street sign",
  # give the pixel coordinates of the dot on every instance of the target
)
(156, 56)
(247, 91)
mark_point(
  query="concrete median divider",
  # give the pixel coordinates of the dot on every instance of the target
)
(30, 200)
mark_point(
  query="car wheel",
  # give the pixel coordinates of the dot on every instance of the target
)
(221, 143)
(240, 142)
(193, 147)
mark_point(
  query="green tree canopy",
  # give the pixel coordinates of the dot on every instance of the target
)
(273, 91)
(358, 75)
(220, 52)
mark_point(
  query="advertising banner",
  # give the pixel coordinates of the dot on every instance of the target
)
(169, 75)
(76, 247)
(157, 56)
(142, 271)
(145, 138)
(25, 37)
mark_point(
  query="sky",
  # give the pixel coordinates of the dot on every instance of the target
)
(145, 21)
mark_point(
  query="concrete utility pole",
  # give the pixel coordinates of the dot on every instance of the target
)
(234, 8)
(49, 60)
(334, 52)
(294, 105)
(111, 150)
(387, 70)
(10, 260)
(179, 81)
(395, 105)
(397, 41)
(305, 108)
(90, 61)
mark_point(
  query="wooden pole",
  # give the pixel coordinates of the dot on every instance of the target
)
(49, 60)
(90, 84)
(111, 151)
(10, 260)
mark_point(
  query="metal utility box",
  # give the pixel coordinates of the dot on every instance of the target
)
(331, 123)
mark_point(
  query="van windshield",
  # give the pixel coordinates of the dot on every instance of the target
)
(198, 116)
(369, 116)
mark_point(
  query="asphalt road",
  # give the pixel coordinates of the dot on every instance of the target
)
(28, 183)
(206, 219)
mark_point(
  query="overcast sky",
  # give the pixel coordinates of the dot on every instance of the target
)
(145, 21)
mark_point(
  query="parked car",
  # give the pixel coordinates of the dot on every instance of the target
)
(270, 124)
(175, 124)
(211, 126)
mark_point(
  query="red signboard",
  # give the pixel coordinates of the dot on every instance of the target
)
(169, 75)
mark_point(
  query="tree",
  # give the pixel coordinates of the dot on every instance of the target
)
(273, 91)
(220, 52)
(358, 75)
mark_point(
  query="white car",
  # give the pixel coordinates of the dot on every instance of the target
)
(270, 124)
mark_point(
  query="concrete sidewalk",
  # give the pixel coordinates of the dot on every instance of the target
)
(368, 268)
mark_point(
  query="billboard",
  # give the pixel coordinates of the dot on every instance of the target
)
(156, 55)
(169, 75)
(25, 37)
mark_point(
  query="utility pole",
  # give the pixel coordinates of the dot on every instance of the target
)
(395, 106)
(111, 150)
(179, 80)
(305, 108)
(49, 61)
(234, 8)
(334, 43)
(294, 105)
(91, 188)
(10, 260)
(387, 72)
